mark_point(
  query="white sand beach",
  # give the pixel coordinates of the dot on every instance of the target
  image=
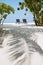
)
(24, 40)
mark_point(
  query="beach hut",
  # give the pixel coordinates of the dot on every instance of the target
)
(17, 20)
(24, 21)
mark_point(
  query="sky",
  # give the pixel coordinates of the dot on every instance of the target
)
(11, 18)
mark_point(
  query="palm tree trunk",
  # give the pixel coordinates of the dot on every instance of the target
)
(38, 20)
(35, 20)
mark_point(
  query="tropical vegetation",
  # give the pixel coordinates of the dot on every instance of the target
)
(36, 7)
(5, 10)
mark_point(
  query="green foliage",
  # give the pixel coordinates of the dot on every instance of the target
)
(35, 7)
(22, 5)
(4, 16)
(26, 9)
(18, 8)
(5, 10)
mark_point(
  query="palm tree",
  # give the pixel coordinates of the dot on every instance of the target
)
(5, 10)
(35, 7)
